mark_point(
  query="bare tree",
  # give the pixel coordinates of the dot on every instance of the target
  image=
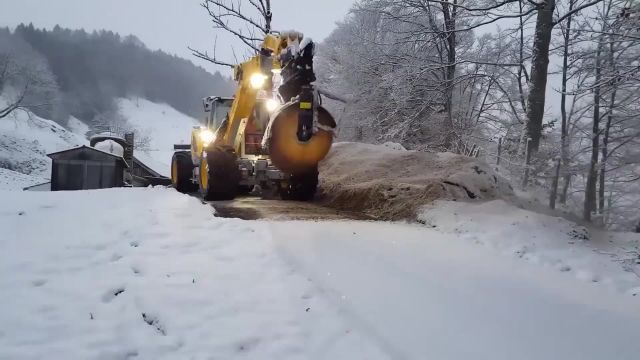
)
(482, 13)
(613, 130)
(540, 63)
(248, 23)
(113, 123)
(592, 174)
(564, 146)
(24, 84)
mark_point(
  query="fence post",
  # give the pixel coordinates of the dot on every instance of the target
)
(554, 186)
(499, 151)
(359, 133)
(527, 161)
(472, 151)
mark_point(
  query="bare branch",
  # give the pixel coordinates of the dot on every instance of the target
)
(205, 56)
(579, 8)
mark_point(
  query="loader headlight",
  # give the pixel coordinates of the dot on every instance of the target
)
(207, 136)
(271, 105)
(257, 80)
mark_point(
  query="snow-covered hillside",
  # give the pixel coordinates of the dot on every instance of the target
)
(164, 126)
(78, 127)
(13, 180)
(157, 276)
(25, 140)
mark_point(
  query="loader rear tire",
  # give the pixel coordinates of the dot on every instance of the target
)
(300, 187)
(222, 175)
(182, 172)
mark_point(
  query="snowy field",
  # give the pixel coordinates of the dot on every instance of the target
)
(152, 274)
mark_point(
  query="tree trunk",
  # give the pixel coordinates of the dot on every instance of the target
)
(554, 187)
(590, 200)
(4, 64)
(523, 102)
(607, 215)
(539, 66)
(601, 179)
(607, 128)
(450, 26)
(563, 109)
(527, 163)
(566, 182)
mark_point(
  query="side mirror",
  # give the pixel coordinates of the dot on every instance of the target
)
(206, 104)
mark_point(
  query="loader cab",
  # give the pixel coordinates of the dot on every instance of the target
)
(216, 109)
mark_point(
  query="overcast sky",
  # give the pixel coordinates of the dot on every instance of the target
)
(170, 25)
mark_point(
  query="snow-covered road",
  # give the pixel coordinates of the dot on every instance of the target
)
(422, 295)
(151, 274)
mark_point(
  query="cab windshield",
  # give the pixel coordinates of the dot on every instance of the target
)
(219, 112)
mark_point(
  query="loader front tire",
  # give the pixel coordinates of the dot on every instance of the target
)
(219, 175)
(182, 172)
(300, 187)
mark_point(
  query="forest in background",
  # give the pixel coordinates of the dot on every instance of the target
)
(60, 73)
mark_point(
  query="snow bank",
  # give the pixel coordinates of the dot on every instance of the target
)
(163, 125)
(152, 274)
(609, 259)
(390, 183)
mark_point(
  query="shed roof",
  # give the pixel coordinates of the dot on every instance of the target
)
(149, 170)
(88, 148)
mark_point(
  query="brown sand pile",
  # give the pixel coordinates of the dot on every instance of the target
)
(388, 183)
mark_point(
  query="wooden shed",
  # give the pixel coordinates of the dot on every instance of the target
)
(85, 168)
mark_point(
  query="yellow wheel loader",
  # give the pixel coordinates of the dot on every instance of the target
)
(271, 134)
